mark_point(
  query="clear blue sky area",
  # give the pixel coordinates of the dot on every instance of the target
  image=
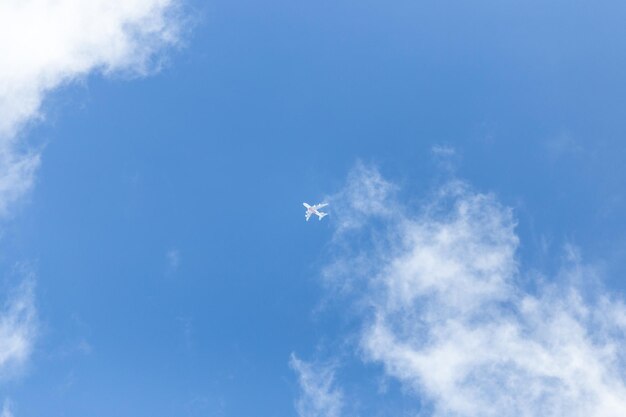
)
(175, 272)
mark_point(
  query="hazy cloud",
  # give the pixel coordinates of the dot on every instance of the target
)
(445, 156)
(6, 409)
(173, 259)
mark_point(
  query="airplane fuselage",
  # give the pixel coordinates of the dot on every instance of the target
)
(310, 210)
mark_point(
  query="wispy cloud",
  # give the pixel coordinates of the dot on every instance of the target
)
(46, 44)
(448, 316)
(319, 397)
(18, 328)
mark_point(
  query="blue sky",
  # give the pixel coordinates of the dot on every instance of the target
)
(160, 231)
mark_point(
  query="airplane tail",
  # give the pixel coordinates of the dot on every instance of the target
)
(322, 215)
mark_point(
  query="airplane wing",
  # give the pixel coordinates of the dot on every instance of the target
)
(307, 216)
(319, 206)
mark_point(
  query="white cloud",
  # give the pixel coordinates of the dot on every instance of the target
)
(18, 328)
(448, 317)
(45, 44)
(319, 396)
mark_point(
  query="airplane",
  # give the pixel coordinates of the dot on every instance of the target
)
(310, 210)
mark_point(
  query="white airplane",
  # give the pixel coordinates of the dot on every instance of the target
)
(310, 210)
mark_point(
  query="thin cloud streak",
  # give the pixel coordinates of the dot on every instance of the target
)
(444, 311)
